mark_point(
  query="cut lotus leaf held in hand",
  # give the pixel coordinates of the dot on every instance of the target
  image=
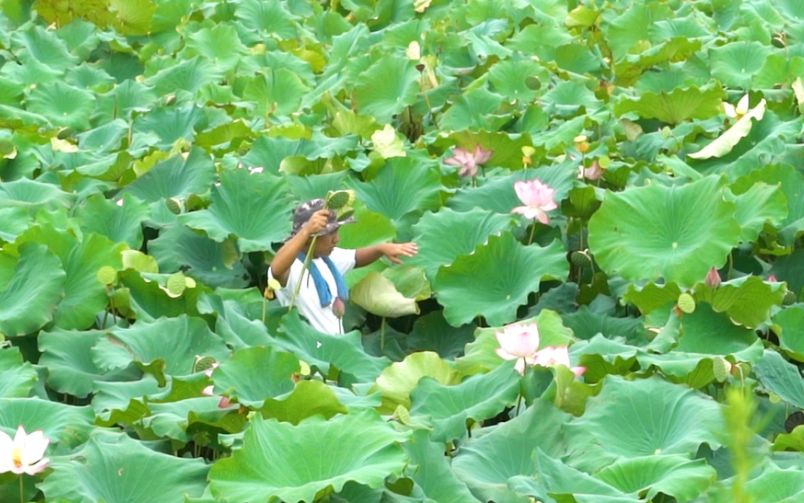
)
(284, 460)
(474, 285)
(674, 233)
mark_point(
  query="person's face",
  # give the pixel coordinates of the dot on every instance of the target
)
(325, 244)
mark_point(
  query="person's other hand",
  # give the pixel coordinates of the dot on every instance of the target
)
(317, 223)
(396, 250)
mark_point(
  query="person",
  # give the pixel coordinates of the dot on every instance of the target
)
(323, 292)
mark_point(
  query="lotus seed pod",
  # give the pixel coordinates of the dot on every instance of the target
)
(176, 284)
(339, 199)
(106, 275)
(686, 303)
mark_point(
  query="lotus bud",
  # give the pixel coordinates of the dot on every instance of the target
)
(772, 278)
(712, 278)
(581, 144)
(338, 307)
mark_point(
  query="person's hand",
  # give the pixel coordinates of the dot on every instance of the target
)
(396, 250)
(317, 223)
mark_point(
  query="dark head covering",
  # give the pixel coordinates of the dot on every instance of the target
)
(304, 211)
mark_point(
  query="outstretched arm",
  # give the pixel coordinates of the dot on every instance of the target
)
(365, 256)
(280, 265)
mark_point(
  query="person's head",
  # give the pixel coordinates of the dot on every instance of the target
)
(327, 238)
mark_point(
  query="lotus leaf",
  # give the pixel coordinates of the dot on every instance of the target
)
(278, 460)
(399, 379)
(112, 467)
(308, 398)
(252, 375)
(252, 207)
(639, 418)
(17, 377)
(683, 231)
(781, 377)
(452, 409)
(378, 295)
(790, 321)
(67, 426)
(475, 285)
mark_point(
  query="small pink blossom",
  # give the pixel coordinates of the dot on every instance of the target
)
(712, 278)
(593, 172)
(224, 402)
(772, 278)
(518, 341)
(538, 198)
(468, 162)
(209, 390)
(25, 453)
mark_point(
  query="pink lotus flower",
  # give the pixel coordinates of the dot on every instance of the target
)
(556, 355)
(25, 453)
(468, 162)
(538, 198)
(520, 342)
(772, 278)
(712, 278)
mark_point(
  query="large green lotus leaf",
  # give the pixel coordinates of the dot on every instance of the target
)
(171, 419)
(497, 194)
(234, 323)
(175, 177)
(432, 472)
(639, 418)
(147, 299)
(253, 374)
(62, 104)
(30, 193)
(122, 402)
(409, 280)
(220, 44)
(452, 409)
(269, 152)
(343, 353)
(276, 92)
(119, 221)
(308, 398)
(708, 332)
(790, 323)
(760, 204)
(476, 285)
(399, 379)
(778, 68)
(474, 109)
(488, 461)
(113, 467)
(44, 46)
(67, 357)
(215, 264)
(189, 75)
(163, 127)
(735, 64)
(431, 332)
(127, 98)
(33, 292)
(585, 323)
(510, 78)
(676, 476)
(377, 294)
(481, 354)
(284, 461)
(13, 222)
(748, 300)
(791, 183)
(65, 425)
(255, 208)
(775, 485)
(171, 345)
(84, 296)
(387, 87)
(560, 480)
(445, 235)
(676, 106)
(268, 17)
(676, 233)
(17, 377)
(625, 28)
(781, 377)
(403, 187)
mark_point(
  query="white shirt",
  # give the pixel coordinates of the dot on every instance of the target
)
(321, 318)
